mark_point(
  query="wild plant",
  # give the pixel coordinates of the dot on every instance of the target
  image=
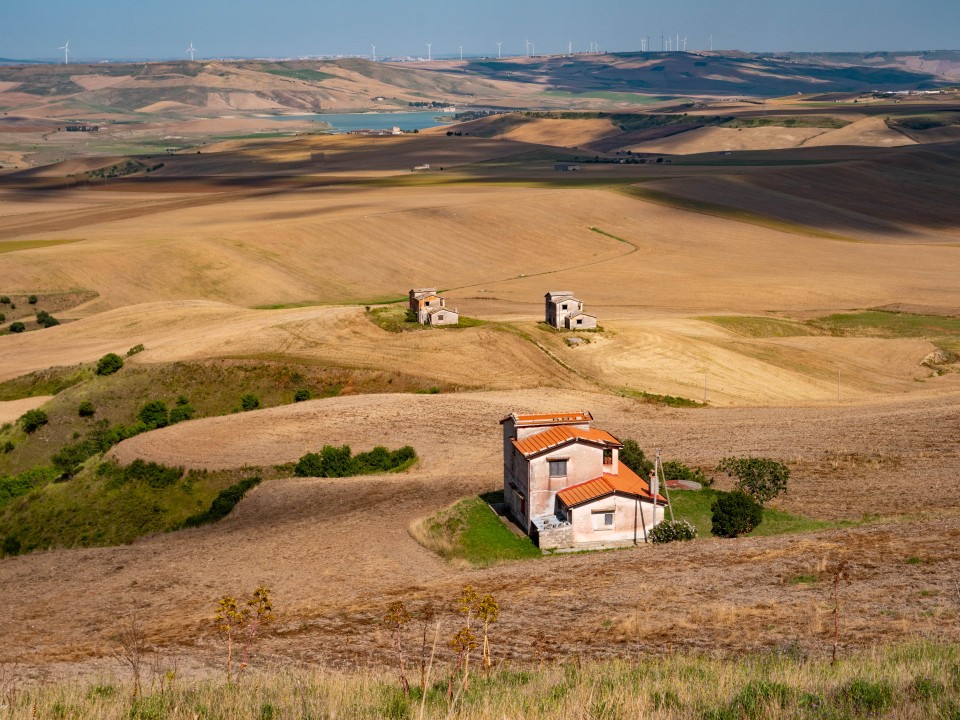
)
(236, 624)
(131, 649)
(397, 616)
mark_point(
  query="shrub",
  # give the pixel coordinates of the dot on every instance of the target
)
(86, 409)
(3, 318)
(11, 487)
(763, 478)
(301, 395)
(17, 327)
(632, 456)
(5, 299)
(674, 470)
(109, 364)
(223, 503)
(32, 420)
(11, 545)
(735, 513)
(135, 349)
(154, 414)
(672, 530)
(338, 461)
(153, 474)
(68, 459)
(8, 446)
(32, 299)
(249, 402)
(183, 400)
(862, 697)
(410, 316)
(181, 413)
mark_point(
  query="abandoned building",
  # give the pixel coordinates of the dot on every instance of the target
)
(564, 484)
(431, 309)
(564, 312)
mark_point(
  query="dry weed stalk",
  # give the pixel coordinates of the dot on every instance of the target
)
(396, 617)
(236, 624)
(132, 643)
(427, 614)
(488, 612)
(841, 576)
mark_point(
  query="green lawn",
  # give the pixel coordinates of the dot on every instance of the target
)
(694, 505)
(393, 318)
(878, 323)
(471, 532)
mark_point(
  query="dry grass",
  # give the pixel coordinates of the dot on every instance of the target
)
(916, 680)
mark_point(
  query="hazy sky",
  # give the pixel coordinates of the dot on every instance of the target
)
(100, 29)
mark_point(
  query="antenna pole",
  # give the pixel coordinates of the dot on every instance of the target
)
(658, 469)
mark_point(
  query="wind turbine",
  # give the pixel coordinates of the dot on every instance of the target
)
(429, 51)
(498, 49)
(66, 53)
(461, 52)
(684, 43)
(191, 50)
(373, 52)
(527, 43)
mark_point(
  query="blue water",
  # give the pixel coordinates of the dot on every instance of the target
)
(375, 121)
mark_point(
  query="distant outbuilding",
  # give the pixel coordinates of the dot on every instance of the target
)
(563, 311)
(431, 309)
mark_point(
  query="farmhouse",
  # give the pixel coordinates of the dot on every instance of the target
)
(564, 484)
(431, 309)
(563, 311)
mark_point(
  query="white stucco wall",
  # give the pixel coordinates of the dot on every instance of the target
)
(629, 518)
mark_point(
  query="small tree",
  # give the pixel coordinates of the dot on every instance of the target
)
(32, 420)
(632, 456)
(17, 327)
(249, 402)
(154, 414)
(763, 478)
(735, 513)
(301, 395)
(109, 364)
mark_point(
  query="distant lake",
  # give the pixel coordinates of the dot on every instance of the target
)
(375, 121)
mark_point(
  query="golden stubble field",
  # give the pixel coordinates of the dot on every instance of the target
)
(181, 265)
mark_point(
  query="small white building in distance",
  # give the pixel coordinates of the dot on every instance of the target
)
(431, 309)
(564, 312)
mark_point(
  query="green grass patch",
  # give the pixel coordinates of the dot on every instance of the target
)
(788, 121)
(760, 327)
(632, 98)
(726, 211)
(667, 400)
(694, 506)
(470, 531)
(605, 233)
(393, 318)
(9, 246)
(45, 382)
(108, 504)
(880, 323)
(306, 74)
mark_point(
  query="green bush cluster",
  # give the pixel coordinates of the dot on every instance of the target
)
(4, 299)
(17, 485)
(152, 474)
(32, 299)
(249, 402)
(735, 513)
(109, 364)
(33, 420)
(334, 461)
(676, 470)
(223, 503)
(46, 320)
(672, 531)
(301, 395)
(86, 409)
(17, 327)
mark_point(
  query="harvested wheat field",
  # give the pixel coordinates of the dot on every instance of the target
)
(300, 536)
(747, 282)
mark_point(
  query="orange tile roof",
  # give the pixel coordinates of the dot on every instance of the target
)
(429, 297)
(549, 418)
(561, 435)
(626, 483)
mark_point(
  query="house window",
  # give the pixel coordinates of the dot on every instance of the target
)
(607, 456)
(439, 317)
(558, 468)
(427, 303)
(608, 520)
(602, 519)
(579, 321)
(563, 307)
